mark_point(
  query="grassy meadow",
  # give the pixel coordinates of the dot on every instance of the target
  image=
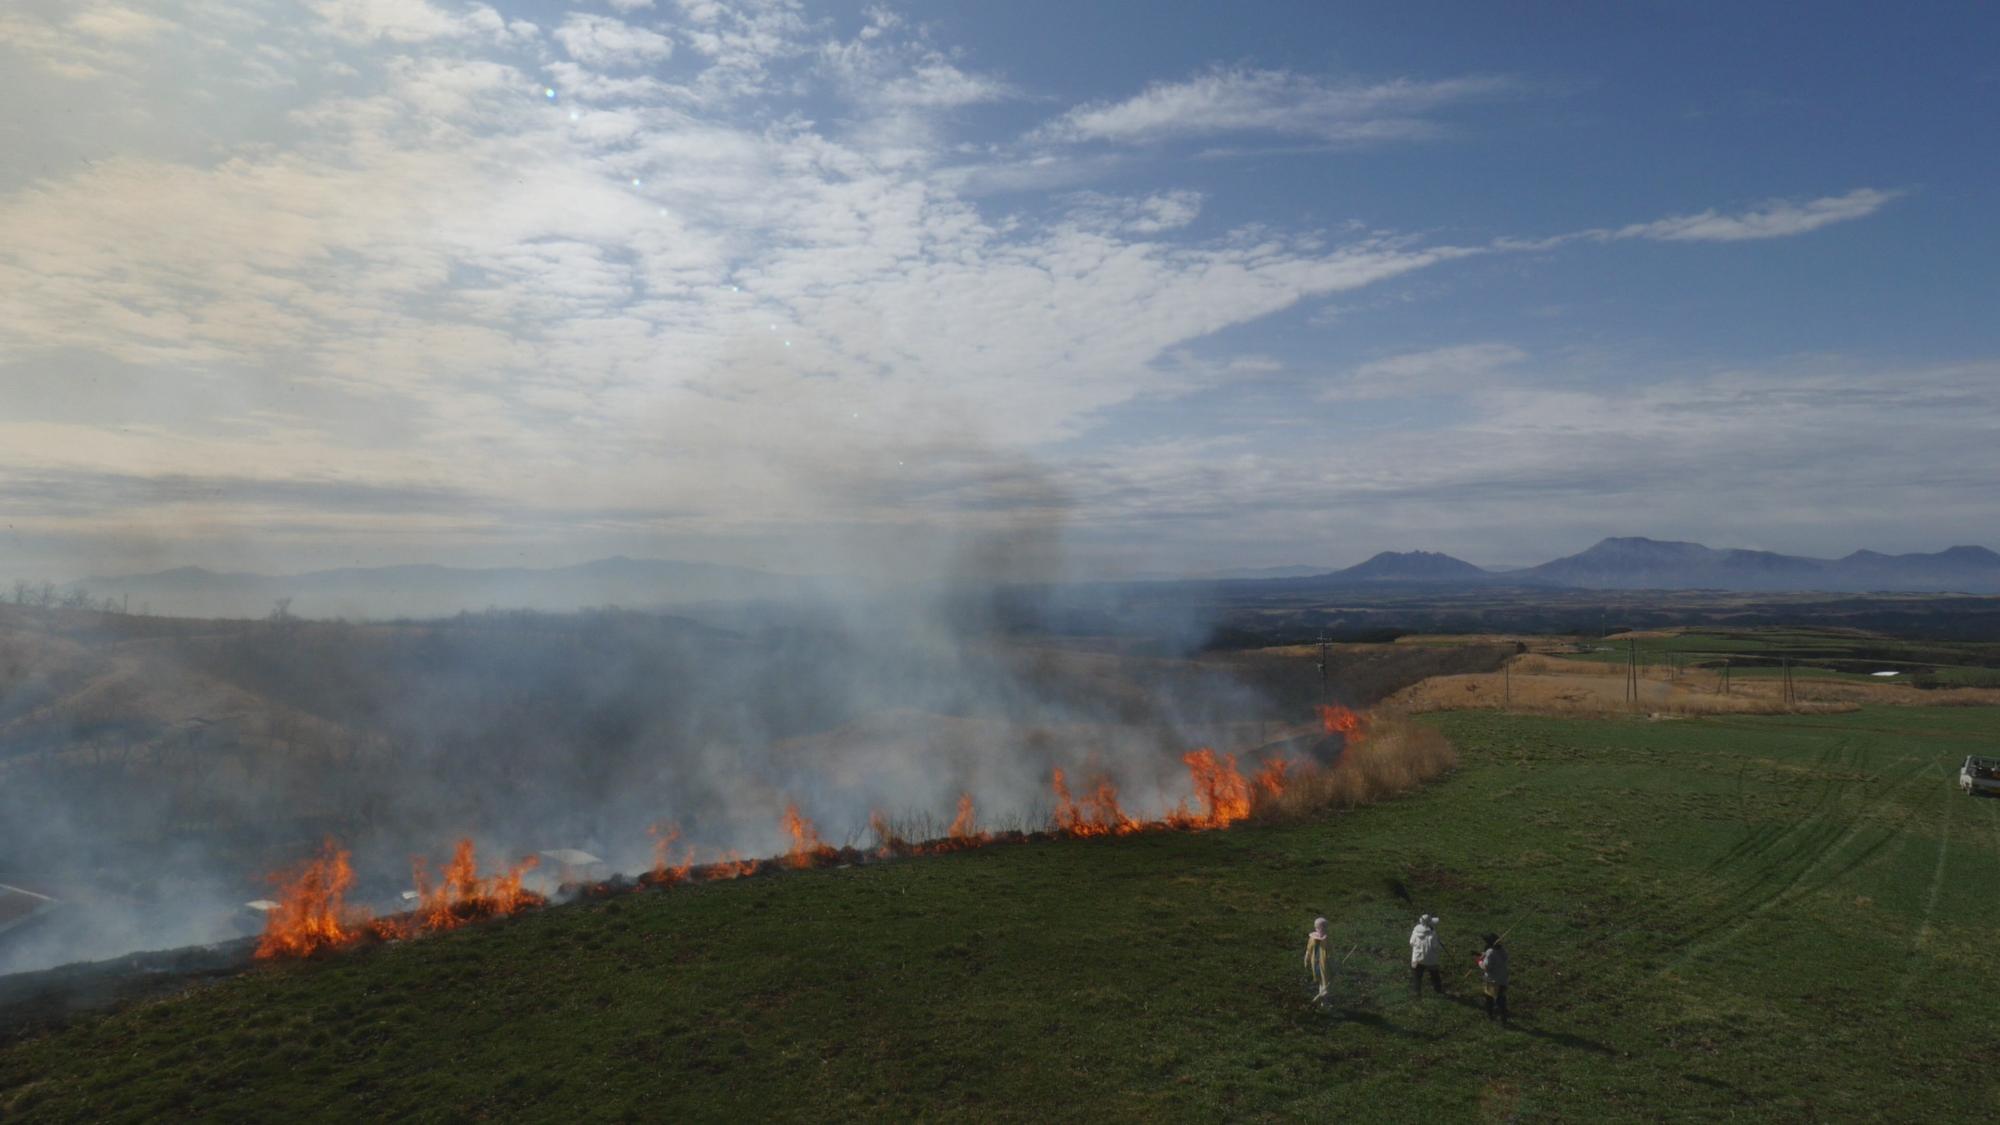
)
(1746, 918)
(1688, 672)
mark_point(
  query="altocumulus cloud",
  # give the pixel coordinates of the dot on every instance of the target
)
(609, 265)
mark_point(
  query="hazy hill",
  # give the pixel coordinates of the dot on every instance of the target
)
(1414, 566)
(428, 590)
(1623, 563)
(1256, 572)
(1639, 563)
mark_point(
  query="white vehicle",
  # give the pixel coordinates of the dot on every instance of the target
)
(1980, 775)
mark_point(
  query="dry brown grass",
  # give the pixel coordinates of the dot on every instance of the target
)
(1532, 642)
(1545, 685)
(1395, 757)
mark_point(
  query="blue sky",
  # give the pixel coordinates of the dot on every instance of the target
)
(1040, 289)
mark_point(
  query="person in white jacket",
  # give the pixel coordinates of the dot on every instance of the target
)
(1425, 953)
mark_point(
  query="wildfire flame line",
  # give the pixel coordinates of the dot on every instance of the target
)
(312, 913)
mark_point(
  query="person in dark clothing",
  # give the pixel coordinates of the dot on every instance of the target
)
(1493, 973)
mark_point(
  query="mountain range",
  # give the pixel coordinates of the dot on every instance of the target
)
(429, 590)
(1630, 563)
(1637, 563)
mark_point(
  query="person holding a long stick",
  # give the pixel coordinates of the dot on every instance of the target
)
(1493, 975)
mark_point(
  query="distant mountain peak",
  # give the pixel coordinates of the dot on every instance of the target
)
(1635, 562)
(1412, 566)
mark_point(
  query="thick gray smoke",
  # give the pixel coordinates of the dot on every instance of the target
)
(152, 769)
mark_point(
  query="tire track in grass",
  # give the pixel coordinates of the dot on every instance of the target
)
(1880, 850)
(1708, 944)
(1806, 831)
(1930, 900)
(1780, 849)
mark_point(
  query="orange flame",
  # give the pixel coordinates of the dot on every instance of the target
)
(807, 848)
(1335, 719)
(461, 896)
(665, 874)
(1098, 814)
(1222, 791)
(731, 865)
(1271, 779)
(312, 912)
(964, 829)
(888, 843)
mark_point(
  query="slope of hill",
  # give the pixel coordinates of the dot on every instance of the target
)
(1414, 566)
(1669, 943)
(428, 590)
(1638, 563)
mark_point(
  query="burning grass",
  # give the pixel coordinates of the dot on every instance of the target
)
(1393, 757)
(1380, 757)
(313, 914)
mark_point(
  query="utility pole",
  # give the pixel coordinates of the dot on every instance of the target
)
(1322, 668)
(1632, 672)
(1723, 687)
(1507, 684)
(1790, 692)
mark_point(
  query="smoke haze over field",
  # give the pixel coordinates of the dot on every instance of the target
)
(151, 770)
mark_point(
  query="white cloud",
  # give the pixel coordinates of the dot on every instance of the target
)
(412, 21)
(600, 41)
(742, 39)
(669, 300)
(629, 6)
(1779, 218)
(656, 306)
(1150, 214)
(1271, 101)
(108, 21)
(1459, 369)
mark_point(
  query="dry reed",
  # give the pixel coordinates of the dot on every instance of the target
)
(1394, 757)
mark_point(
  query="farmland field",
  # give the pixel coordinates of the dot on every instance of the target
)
(1733, 917)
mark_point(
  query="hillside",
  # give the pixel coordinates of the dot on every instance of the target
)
(1649, 564)
(376, 593)
(1764, 918)
(432, 591)
(1414, 566)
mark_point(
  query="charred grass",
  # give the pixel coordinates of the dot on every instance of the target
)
(1730, 917)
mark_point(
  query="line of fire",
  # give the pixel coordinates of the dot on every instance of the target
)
(311, 914)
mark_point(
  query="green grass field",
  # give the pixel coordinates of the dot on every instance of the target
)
(1826, 654)
(1769, 918)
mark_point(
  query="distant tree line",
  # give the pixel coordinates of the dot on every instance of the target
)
(44, 595)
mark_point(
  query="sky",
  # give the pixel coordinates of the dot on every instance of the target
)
(1028, 289)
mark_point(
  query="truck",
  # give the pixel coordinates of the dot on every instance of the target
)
(1979, 775)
